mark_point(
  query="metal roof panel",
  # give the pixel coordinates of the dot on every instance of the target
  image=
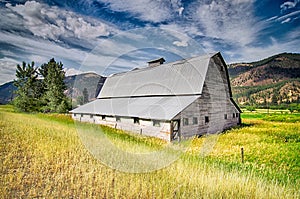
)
(184, 77)
(160, 108)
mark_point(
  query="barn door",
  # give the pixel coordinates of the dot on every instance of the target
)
(175, 134)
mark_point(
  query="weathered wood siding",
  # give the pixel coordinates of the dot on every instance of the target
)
(143, 127)
(214, 103)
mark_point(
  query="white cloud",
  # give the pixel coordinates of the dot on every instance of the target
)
(147, 10)
(7, 69)
(38, 58)
(41, 50)
(289, 5)
(287, 17)
(180, 43)
(231, 21)
(272, 18)
(180, 10)
(286, 20)
(292, 14)
(72, 71)
(256, 53)
(50, 22)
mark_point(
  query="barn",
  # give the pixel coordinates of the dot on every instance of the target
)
(172, 101)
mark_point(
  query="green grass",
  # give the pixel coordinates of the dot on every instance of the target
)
(42, 157)
(272, 116)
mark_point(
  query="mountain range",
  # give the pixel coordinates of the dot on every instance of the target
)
(274, 80)
(75, 85)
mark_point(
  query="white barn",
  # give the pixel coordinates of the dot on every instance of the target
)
(186, 98)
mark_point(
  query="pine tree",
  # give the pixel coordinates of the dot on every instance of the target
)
(54, 99)
(27, 92)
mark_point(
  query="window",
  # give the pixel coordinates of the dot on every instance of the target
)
(185, 121)
(136, 120)
(233, 115)
(156, 123)
(74, 114)
(206, 119)
(81, 115)
(195, 120)
(225, 116)
(118, 119)
(103, 117)
(91, 116)
(236, 115)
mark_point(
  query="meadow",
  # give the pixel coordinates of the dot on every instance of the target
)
(42, 156)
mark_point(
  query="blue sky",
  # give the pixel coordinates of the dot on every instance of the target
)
(108, 36)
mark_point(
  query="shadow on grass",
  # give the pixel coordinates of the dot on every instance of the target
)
(240, 126)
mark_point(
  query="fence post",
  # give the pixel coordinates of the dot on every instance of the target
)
(242, 154)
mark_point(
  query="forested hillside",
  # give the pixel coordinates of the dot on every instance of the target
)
(271, 81)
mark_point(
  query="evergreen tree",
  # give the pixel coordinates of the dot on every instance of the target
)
(27, 92)
(85, 96)
(54, 99)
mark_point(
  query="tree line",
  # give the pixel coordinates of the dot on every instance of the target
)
(41, 89)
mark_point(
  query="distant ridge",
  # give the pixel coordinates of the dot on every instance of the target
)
(274, 80)
(75, 85)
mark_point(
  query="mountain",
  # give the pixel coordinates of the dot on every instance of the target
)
(75, 85)
(271, 81)
(7, 92)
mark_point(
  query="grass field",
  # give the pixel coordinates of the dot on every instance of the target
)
(43, 157)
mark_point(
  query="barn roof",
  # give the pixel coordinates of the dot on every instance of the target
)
(160, 108)
(184, 77)
(159, 92)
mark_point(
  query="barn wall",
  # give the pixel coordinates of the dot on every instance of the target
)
(83, 117)
(144, 127)
(214, 103)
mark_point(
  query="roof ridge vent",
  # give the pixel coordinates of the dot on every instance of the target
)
(156, 62)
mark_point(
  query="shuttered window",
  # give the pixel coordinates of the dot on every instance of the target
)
(195, 120)
(185, 121)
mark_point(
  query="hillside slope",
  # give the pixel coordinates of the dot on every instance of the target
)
(273, 81)
(75, 85)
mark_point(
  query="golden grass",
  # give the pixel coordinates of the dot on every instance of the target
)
(44, 158)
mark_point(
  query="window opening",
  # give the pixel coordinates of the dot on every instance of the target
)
(195, 120)
(206, 119)
(185, 121)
